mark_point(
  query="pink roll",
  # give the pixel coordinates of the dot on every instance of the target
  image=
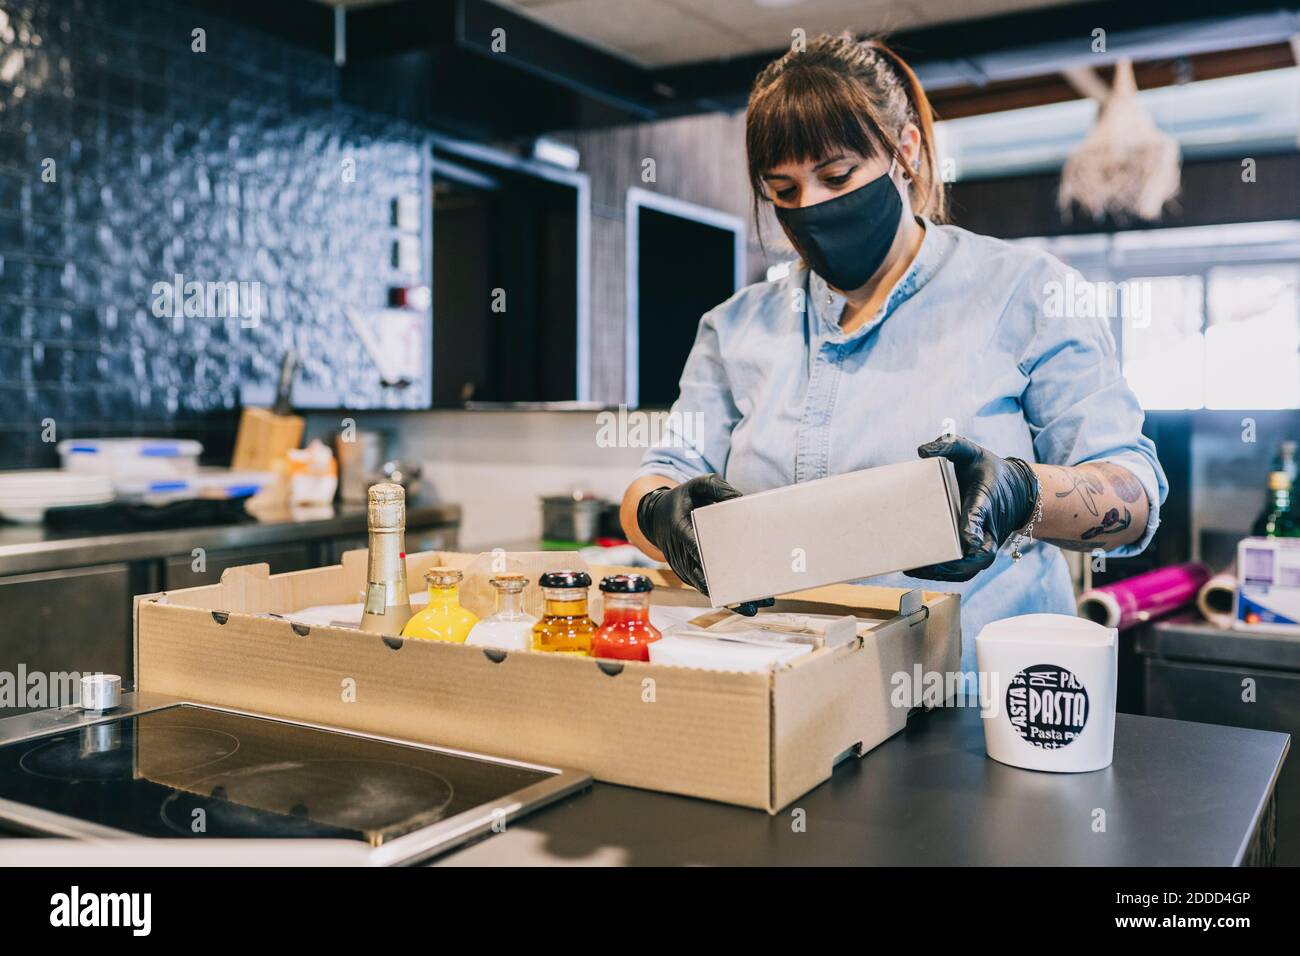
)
(1146, 596)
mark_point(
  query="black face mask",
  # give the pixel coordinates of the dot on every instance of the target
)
(845, 239)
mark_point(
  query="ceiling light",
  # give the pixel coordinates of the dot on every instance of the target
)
(558, 154)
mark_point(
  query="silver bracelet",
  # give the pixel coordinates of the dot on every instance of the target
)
(1027, 532)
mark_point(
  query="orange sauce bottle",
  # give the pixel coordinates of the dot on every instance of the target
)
(565, 626)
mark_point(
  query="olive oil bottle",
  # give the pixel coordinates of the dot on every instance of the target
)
(1279, 518)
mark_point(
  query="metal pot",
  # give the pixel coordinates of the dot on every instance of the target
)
(359, 461)
(573, 517)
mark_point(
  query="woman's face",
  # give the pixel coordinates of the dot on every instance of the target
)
(794, 185)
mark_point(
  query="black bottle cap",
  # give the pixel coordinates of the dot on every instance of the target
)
(565, 579)
(626, 584)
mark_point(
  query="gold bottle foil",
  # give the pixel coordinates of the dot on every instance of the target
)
(388, 605)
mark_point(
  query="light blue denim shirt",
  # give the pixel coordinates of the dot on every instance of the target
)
(774, 393)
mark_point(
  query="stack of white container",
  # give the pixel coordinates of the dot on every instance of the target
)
(26, 495)
(100, 470)
(156, 470)
(130, 458)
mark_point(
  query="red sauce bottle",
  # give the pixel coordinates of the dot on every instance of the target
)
(625, 632)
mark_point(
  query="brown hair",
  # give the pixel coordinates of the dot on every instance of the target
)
(840, 93)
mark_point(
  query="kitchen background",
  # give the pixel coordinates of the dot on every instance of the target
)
(233, 164)
(359, 163)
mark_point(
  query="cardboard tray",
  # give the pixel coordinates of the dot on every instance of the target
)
(753, 739)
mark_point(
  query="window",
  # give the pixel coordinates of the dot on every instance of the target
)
(1163, 345)
(1252, 343)
(1218, 317)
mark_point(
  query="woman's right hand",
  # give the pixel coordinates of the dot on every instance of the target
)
(664, 517)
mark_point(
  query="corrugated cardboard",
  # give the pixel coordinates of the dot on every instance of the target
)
(841, 528)
(754, 739)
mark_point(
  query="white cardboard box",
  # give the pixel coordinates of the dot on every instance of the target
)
(850, 526)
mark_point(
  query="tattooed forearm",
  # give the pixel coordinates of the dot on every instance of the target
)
(1111, 523)
(1098, 504)
(1083, 484)
(1120, 480)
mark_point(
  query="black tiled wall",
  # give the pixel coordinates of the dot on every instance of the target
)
(223, 166)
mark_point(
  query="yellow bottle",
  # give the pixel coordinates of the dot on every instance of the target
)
(443, 619)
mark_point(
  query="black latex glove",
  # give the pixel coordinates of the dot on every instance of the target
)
(664, 516)
(997, 498)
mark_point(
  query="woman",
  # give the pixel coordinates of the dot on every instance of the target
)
(891, 329)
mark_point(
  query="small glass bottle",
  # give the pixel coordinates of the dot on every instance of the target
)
(625, 631)
(510, 628)
(443, 619)
(565, 627)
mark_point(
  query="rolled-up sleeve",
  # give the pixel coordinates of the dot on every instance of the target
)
(695, 437)
(1079, 407)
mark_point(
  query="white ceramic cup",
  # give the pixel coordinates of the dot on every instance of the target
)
(1051, 682)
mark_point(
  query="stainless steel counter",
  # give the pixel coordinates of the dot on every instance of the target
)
(26, 549)
(1188, 637)
(66, 598)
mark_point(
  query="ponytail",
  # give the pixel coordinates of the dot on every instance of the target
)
(929, 198)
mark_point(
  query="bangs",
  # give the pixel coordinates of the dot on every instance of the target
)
(808, 114)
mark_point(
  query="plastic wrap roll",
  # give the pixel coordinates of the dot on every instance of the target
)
(1215, 599)
(1143, 597)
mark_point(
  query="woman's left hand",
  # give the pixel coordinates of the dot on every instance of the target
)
(998, 496)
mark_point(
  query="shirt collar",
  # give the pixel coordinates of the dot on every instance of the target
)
(827, 305)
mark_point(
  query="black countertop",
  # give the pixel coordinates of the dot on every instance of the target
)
(1178, 793)
(29, 548)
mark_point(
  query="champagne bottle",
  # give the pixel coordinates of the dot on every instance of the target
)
(388, 606)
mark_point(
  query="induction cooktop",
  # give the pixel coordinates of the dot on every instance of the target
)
(196, 772)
